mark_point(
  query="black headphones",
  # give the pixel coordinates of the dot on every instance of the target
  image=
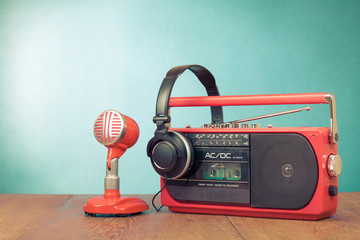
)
(171, 152)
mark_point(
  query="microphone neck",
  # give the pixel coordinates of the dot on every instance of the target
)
(115, 152)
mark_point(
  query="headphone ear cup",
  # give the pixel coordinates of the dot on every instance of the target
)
(171, 156)
(150, 146)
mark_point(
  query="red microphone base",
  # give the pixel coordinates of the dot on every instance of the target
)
(112, 203)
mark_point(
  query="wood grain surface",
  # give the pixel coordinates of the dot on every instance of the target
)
(62, 217)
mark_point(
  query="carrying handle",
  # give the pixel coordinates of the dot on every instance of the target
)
(269, 99)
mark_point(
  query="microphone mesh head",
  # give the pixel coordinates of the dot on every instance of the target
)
(109, 127)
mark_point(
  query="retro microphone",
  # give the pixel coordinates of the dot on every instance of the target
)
(117, 132)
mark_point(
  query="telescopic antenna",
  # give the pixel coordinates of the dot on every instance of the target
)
(308, 108)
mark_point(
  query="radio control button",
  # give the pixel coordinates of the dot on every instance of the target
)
(255, 125)
(270, 126)
(245, 125)
(334, 165)
(333, 190)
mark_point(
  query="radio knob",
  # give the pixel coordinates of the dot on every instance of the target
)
(333, 190)
(255, 125)
(245, 125)
(334, 165)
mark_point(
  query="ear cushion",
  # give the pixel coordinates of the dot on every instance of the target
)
(172, 155)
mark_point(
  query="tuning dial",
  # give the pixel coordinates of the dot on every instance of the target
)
(334, 165)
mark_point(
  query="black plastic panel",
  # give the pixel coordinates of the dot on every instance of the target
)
(219, 175)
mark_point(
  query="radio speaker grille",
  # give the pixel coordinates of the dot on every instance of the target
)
(284, 171)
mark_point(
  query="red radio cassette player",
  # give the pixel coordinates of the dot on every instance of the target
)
(234, 168)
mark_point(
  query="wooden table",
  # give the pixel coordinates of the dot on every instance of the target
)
(61, 217)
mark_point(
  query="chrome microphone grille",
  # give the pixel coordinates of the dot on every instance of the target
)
(109, 127)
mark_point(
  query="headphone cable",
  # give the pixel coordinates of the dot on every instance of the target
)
(158, 209)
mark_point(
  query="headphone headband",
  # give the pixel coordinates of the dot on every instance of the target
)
(162, 105)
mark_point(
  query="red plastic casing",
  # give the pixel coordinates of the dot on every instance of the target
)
(322, 205)
(112, 203)
(129, 139)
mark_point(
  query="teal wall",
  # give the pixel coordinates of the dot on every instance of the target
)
(64, 62)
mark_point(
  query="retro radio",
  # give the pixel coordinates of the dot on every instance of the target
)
(234, 168)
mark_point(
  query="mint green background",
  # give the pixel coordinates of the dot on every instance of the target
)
(64, 62)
